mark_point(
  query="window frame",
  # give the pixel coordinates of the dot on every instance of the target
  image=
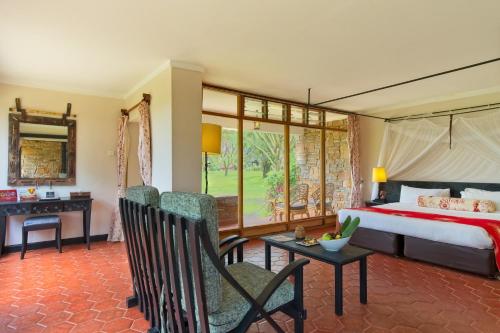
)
(323, 219)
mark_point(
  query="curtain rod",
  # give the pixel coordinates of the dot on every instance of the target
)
(281, 100)
(409, 81)
(145, 98)
(448, 113)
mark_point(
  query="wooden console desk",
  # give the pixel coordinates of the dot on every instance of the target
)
(45, 207)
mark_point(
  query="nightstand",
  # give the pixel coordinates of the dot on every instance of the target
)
(374, 203)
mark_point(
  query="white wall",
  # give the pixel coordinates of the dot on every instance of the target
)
(161, 126)
(186, 129)
(176, 97)
(95, 160)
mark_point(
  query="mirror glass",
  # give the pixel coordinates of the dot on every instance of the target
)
(43, 151)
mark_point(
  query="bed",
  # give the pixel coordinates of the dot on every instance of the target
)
(454, 245)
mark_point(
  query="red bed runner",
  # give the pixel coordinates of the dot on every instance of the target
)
(492, 227)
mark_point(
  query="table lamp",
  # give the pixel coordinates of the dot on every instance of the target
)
(210, 144)
(379, 176)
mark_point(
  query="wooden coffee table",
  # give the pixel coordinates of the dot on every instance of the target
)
(346, 255)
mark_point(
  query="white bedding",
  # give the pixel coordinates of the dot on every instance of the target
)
(445, 232)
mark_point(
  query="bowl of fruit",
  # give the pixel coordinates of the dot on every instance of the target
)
(337, 240)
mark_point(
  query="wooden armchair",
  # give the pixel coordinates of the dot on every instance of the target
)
(316, 200)
(299, 197)
(200, 293)
(142, 248)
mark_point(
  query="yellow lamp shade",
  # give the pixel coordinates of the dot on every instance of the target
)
(210, 138)
(379, 175)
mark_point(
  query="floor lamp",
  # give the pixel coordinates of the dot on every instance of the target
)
(210, 144)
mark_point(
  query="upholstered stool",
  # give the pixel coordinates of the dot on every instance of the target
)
(41, 223)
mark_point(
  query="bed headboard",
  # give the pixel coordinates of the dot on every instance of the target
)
(393, 187)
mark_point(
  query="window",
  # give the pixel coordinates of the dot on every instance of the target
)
(314, 117)
(220, 102)
(337, 167)
(263, 173)
(305, 172)
(276, 111)
(254, 108)
(223, 172)
(297, 114)
(289, 163)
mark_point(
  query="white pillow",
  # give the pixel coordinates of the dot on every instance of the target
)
(410, 194)
(474, 193)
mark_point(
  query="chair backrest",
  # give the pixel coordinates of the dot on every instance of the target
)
(300, 193)
(145, 195)
(184, 295)
(329, 189)
(197, 207)
(316, 195)
(141, 250)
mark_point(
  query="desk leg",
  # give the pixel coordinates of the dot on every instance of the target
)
(291, 256)
(267, 258)
(339, 307)
(363, 283)
(3, 231)
(86, 227)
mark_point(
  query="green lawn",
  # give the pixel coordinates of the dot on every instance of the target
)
(254, 190)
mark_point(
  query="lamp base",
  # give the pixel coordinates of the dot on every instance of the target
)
(206, 173)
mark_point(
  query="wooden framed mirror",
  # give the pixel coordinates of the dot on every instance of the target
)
(42, 150)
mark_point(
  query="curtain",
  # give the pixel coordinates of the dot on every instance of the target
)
(116, 233)
(420, 149)
(144, 150)
(353, 129)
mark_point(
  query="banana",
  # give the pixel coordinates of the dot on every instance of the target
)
(349, 230)
(345, 224)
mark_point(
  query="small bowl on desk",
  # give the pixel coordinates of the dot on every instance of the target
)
(334, 245)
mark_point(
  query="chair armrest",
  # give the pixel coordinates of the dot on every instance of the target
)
(228, 240)
(296, 268)
(228, 250)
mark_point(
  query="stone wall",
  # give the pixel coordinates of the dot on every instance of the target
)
(40, 159)
(337, 168)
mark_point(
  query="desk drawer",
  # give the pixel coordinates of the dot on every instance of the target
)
(14, 209)
(48, 207)
(76, 206)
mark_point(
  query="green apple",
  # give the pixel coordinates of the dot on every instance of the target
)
(327, 236)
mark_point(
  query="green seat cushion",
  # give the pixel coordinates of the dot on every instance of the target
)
(145, 195)
(234, 306)
(293, 206)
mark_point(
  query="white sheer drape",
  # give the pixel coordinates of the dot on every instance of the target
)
(420, 149)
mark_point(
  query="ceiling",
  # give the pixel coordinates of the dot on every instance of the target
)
(278, 48)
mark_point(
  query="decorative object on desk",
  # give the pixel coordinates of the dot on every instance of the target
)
(378, 176)
(336, 241)
(79, 195)
(28, 194)
(50, 194)
(210, 144)
(8, 195)
(300, 232)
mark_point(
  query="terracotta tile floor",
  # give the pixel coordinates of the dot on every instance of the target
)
(84, 291)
